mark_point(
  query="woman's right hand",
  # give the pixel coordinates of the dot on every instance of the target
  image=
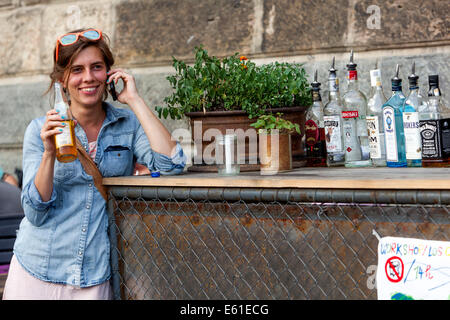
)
(53, 125)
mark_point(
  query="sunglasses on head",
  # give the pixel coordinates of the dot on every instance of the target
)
(71, 38)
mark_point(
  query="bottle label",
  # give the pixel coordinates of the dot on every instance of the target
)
(431, 142)
(412, 135)
(311, 132)
(65, 137)
(349, 114)
(373, 127)
(390, 134)
(333, 135)
(334, 85)
(352, 75)
(375, 76)
(445, 133)
(352, 146)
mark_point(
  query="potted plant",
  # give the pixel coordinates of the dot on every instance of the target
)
(226, 94)
(275, 150)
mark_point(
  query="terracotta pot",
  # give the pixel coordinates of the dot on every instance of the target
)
(275, 153)
(204, 126)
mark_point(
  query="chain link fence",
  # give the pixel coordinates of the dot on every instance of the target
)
(232, 243)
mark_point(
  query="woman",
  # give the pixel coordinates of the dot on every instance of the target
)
(62, 247)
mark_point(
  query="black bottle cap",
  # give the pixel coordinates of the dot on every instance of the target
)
(413, 78)
(351, 65)
(433, 79)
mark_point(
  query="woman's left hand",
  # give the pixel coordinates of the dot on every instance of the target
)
(129, 92)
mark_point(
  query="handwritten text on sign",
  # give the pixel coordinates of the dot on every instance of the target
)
(413, 269)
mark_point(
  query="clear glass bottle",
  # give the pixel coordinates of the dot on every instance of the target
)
(433, 142)
(413, 103)
(393, 125)
(374, 120)
(316, 153)
(333, 122)
(356, 138)
(66, 150)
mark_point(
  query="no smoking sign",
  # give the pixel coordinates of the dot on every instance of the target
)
(394, 269)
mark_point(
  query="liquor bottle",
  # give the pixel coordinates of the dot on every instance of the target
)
(356, 139)
(374, 120)
(393, 125)
(316, 154)
(413, 103)
(66, 150)
(434, 148)
(332, 120)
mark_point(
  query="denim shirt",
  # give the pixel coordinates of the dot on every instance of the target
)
(65, 240)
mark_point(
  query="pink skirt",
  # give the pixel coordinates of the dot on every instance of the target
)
(20, 285)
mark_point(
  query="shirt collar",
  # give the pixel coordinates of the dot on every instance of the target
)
(113, 114)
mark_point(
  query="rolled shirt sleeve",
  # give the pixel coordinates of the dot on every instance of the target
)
(156, 161)
(34, 208)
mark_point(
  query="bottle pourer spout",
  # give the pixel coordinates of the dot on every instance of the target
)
(413, 76)
(332, 69)
(351, 65)
(315, 84)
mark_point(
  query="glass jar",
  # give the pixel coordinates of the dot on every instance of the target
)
(226, 155)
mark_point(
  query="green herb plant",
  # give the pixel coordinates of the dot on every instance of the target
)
(268, 122)
(233, 83)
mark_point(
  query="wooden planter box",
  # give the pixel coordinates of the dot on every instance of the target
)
(204, 127)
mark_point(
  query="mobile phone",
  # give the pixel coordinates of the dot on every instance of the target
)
(112, 89)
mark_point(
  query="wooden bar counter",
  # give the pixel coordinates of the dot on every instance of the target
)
(320, 178)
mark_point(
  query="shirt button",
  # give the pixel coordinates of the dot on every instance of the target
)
(87, 207)
(90, 184)
(84, 229)
(80, 253)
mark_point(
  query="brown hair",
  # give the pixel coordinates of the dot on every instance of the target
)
(67, 54)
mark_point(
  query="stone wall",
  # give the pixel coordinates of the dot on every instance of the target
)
(146, 34)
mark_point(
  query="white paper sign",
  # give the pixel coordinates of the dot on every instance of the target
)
(413, 269)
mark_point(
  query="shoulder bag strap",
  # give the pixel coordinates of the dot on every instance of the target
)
(91, 168)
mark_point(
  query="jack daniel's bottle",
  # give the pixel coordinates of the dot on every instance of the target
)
(434, 131)
(316, 155)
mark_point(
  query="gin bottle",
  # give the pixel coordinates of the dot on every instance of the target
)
(393, 125)
(374, 120)
(316, 154)
(434, 131)
(413, 103)
(333, 122)
(354, 122)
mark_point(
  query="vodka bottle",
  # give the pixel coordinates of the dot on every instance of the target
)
(333, 122)
(316, 154)
(393, 125)
(354, 122)
(66, 150)
(374, 120)
(413, 104)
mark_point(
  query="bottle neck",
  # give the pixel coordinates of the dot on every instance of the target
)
(334, 95)
(316, 96)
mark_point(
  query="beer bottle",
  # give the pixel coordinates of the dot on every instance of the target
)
(66, 150)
